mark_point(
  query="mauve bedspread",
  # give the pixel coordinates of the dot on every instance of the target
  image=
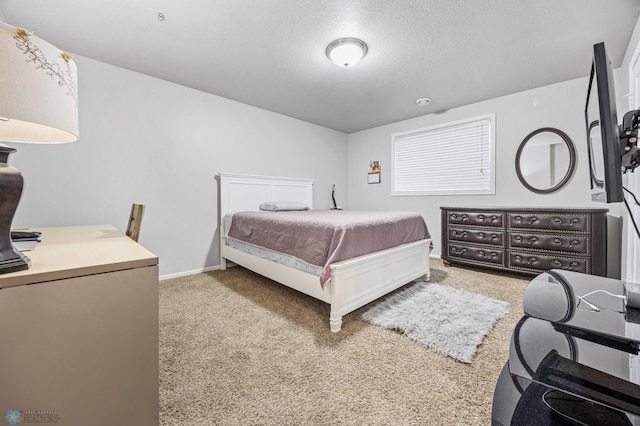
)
(322, 237)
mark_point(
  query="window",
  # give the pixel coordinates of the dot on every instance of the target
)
(450, 159)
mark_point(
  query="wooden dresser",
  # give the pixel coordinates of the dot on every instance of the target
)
(527, 240)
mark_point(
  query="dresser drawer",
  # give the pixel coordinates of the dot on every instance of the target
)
(543, 262)
(568, 243)
(479, 254)
(569, 222)
(485, 218)
(489, 236)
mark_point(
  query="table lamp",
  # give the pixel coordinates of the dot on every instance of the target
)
(38, 104)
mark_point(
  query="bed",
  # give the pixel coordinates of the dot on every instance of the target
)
(352, 282)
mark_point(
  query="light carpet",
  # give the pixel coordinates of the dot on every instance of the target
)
(447, 320)
(239, 349)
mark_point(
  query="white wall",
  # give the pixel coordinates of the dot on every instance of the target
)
(622, 85)
(145, 140)
(559, 105)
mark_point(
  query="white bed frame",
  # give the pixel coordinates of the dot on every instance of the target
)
(354, 282)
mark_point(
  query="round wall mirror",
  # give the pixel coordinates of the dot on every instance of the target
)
(546, 160)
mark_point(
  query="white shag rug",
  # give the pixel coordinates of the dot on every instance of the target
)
(444, 319)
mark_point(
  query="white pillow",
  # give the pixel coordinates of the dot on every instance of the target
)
(280, 206)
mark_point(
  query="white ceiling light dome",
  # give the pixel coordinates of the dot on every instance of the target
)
(346, 52)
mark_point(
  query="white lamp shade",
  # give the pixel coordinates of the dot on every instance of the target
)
(346, 52)
(38, 90)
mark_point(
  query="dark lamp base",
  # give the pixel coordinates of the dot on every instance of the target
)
(13, 262)
(11, 184)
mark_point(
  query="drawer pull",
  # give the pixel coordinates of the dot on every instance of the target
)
(529, 261)
(488, 256)
(455, 250)
(531, 220)
(567, 224)
(458, 218)
(485, 237)
(529, 241)
(457, 234)
(567, 267)
(571, 244)
(489, 219)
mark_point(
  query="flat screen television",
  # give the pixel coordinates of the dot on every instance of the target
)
(603, 140)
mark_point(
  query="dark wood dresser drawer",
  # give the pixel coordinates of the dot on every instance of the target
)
(481, 236)
(565, 222)
(477, 254)
(488, 218)
(567, 243)
(539, 262)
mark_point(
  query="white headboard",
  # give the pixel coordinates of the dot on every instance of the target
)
(240, 192)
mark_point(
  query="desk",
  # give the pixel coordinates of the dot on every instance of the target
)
(79, 331)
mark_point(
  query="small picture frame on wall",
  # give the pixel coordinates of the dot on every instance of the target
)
(374, 172)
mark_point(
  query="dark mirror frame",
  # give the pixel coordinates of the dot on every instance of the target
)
(572, 160)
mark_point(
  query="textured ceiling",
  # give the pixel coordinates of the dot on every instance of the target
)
(271, 53)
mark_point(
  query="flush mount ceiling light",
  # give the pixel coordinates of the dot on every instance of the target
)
(423, 101)
(346, 52)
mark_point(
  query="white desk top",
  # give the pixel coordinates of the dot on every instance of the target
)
(75, 251)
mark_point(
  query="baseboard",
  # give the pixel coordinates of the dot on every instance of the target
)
(187, 273)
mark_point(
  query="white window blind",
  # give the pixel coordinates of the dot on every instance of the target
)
(450, 159)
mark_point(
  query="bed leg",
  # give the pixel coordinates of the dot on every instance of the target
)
(335, 323)
(223, 263)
